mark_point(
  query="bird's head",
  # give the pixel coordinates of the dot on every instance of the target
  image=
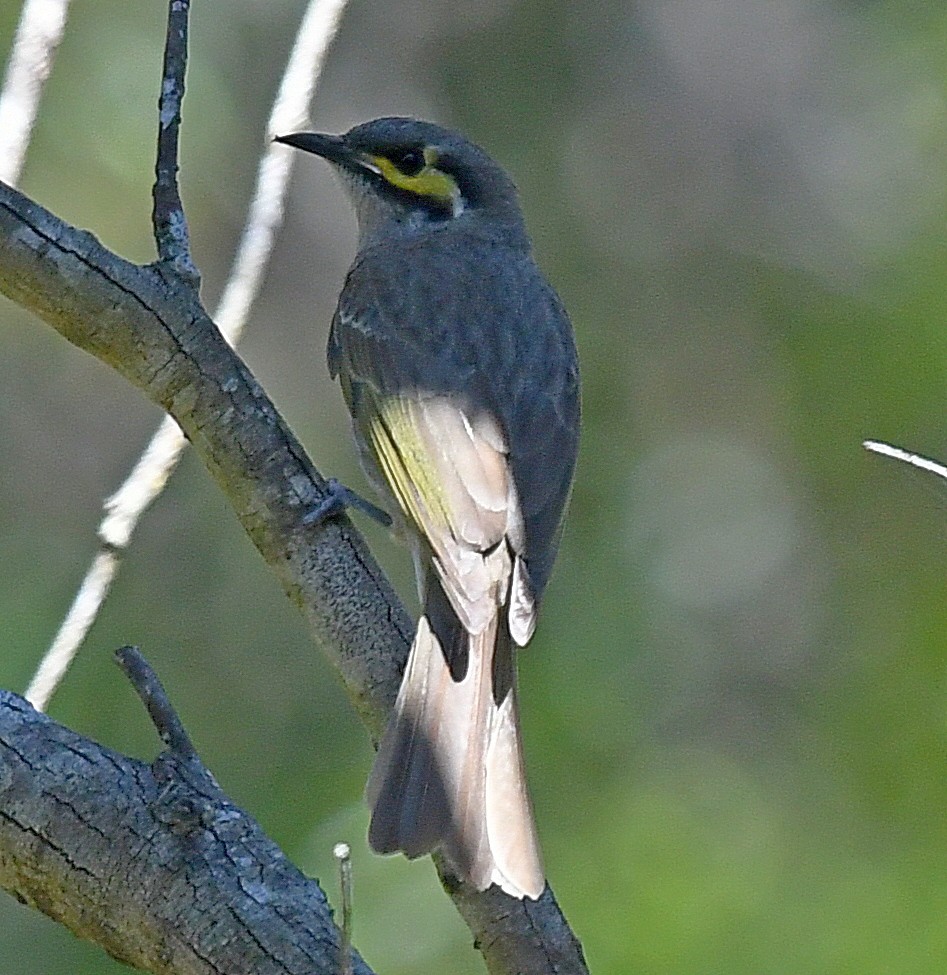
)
(403, 174)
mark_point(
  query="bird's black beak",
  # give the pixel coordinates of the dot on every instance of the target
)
(332, 148)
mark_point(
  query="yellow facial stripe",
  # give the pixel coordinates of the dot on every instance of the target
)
(431, 182)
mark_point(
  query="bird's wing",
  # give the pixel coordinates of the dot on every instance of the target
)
(448, 470)
(480, 363)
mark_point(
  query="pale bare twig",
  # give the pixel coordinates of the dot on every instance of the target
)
(31, 59)
(124, 508)
(898, 453)
(342, 852)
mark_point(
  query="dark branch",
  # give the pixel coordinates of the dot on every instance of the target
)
(155, 698)
(152, 329)
(152, 862)
(170, 224)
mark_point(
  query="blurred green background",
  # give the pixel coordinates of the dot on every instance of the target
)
(735, 707)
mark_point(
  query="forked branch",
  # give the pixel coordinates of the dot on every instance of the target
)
(159, 459)
(153, 862)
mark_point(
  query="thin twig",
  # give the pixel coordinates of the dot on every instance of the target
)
(343, 854)
(31, 59)
(155, 698)
(168, 219)
(290, 110)
(82, 613)
(898, 453)
(124, 508)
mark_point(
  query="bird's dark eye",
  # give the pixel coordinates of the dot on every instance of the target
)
(409, 161)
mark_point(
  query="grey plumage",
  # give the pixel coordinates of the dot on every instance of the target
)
(457, 362)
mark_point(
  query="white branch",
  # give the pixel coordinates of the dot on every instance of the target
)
(898, 453)
(290, 110)
(37, 36)
(149, 476)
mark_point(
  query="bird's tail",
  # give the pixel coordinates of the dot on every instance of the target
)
(449, 772)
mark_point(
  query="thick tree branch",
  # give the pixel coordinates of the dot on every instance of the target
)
(152, 329)
(153, 862)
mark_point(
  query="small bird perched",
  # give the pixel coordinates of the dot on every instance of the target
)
(458, 365)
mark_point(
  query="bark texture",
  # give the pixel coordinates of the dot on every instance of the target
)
(153, 862)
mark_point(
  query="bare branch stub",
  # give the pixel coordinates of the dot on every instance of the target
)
(170, 224)
(155, 698)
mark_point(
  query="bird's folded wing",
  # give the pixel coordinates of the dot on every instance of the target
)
(448, 470)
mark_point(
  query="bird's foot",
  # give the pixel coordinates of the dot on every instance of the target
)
(339, 499)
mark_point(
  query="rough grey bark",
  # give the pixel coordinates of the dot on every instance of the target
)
(153, 862)
(148, 324)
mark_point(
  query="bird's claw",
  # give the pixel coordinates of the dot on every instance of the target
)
(339, 499)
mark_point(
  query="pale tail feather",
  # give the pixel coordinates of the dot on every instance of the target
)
(449, 771)
(511, 828)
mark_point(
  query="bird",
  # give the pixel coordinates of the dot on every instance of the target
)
(458, 364)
